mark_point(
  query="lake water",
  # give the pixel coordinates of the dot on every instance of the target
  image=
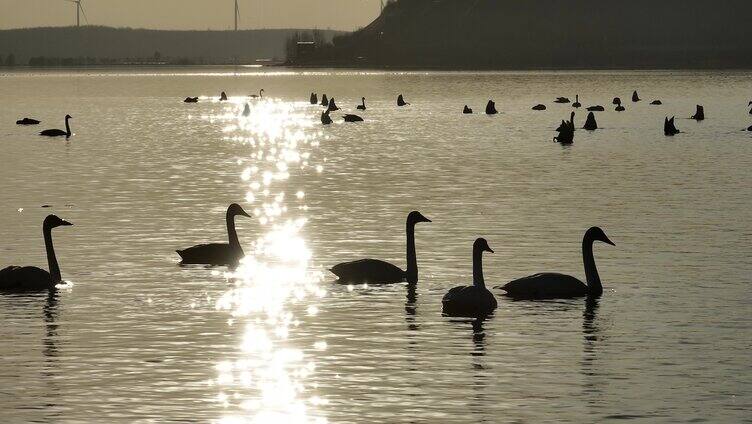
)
(134, 337)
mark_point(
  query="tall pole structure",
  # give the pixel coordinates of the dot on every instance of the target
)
(237, 13)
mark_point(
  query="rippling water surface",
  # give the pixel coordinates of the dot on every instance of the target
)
(133, 337)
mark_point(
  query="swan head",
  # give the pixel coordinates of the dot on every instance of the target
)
(481, 245)
(597, 234)
(235, 210)
(415, 217)
(68, 117)
(53, 221)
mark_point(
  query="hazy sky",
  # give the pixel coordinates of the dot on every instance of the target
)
(192, 14)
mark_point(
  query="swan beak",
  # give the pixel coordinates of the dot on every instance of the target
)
(607, 241)
(488, 249)
(244, 213)
(65, 223)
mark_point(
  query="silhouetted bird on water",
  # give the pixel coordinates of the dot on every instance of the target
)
(362, 105)
(560, 286)
(561, 100)
(616, 101)
(750, 128)
(401, 101)
(590, 123)
(191, 100)
(247, 110)
(325, 118)
(218, 253)
(577, 103)
(332, 106)
(491, 108)
(539, 107)
(27, 121)
(374, 271)
(619, 106)
(57, 132)
(596, 108)
(324, 100)
(467, 110)
(656, 102)
(260, 95)
(699, 114)
(352, 118)
(314, 99)
(566, 131)
(635, 97)
(475, 300)
(16, 279)
(669, 128)
(750, 111)
(222, 96)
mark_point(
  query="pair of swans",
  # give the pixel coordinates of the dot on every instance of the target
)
(477, 300)
(669, 127)
(566, 131)
(59, 133)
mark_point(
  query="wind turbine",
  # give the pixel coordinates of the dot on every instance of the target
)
(237, 14)
(79, 12)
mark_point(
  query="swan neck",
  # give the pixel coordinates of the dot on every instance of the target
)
(231, 233)
(591, 272)
(51, 258)
(478, 268)
(412, 260)
(67, 126)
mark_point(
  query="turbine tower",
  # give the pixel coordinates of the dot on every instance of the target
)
(237, 14)
(79, 12)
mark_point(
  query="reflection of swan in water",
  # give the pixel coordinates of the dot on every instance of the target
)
(374, 271)
(551, 285)
(475, 300)
(18, 279)
(591, 337)
(218, 253)
(247, 110)
(57, 132)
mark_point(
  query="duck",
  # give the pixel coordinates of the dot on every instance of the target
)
(475, 300)
(669, 128)
(596, 108)
(218, 253)
(401, 101)
(590, 123)
(352, 118)
(362, 105)
(699, 114)
(332, 106)
(577, 103)
(57, 132)
(635, 97)
(247, 110)
(260, 95)
(28, 121)
(191, 100)
(18, 279)
(325, 118)
(551, 285)
(374, 271)
(324, 100)
(466, 110)
(314, 99)
(222, 96)
(539, 107)
(561, 100)
(491, 108)
(656, 102)
(566, 131)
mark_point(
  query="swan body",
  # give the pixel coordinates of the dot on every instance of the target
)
(222, 96)
(620, 108)
(314, 99)
(401, 101)
(352, 118)
(491, 108)
(475, 300)
(362, 105)
(596, 108)
(217, 253)
(539, 107)
(466, 110)
(590, 123)
(191, 100)
(669, 128)
(561, 100)
(635, 97)
(260, 95)
(332, 106)
(699, 114)
(577, 103)
(374, 271)
(551, 285)
(325, 118)
(324, 100)
(57, 132)
(750, 128)
(616, 101)
(27, 121)
(18, 279)
(656, 103)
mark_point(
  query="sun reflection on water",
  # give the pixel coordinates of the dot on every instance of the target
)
(271, 379)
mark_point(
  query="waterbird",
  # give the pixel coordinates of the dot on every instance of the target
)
(222, 96)
(616, 101)
(577, 103)
(260, 95)
(699, 114)
(475, 300)
(669, 128)
(218, 253)
(314, 99)
(491, 108)
(466, 110)
(596, 108)
(619, 107)
(561, 100)
(551, 285)
(325, 118)
(401, 101)
(352, 118)
(539, 107)
(27, 121)
(332, 106)
(566, 131)
(324, 100)
(590, 123)
(635, 97)
(247, 110)
(362, 105)
(16, 279)
(656, 102)
(374, 271)
(191, 100)
(57, 132)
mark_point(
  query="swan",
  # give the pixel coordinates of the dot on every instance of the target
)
(362, 105)
(491, 108)
(577, 103)
(27, 121)
(374, 271)
(635, 97)
(466, 110)
(750, 111)
(352, 118)
(656, 102)
(332, 105)
(561, 100)
(247, 110)
(699, 114)
(620, 108)
(401, 101)
(324, 100)
(475, 300)
(314, 99)
(59, 133)
(218, 253)
(222, 96)
(669, 128)
(750, 128)
(539, 107)
(260, 95)
(191, 100)
(325, 118)
(30, 278)
(566, 131)
(596, 108)
(616, 101)
(551, 285)
(590, 123)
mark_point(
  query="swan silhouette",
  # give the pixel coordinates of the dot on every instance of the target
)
(324, 100)
(669, 128)
(352, 118)
(260, 95)
(332, 106)
(27, 121)
(325, 118)
(362, 105)
(539, 107)
(491, 108)
(750, 111)
(401, 101)
(635, 97)
(559, 286)
(191, 100)
(247, 110)
(699, 114)
(466, 110)
(17, 279)
(222, 96)
(314, 99)
(218, 253)
(616, 101)
(590, 123)
(577, 103)
(57, 132)
(561, 100)
(475, 300)
(374, 271)
(596, 108)
(566, 131)
(619, 106)
(656, 102)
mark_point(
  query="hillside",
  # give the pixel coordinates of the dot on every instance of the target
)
(549, 34)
